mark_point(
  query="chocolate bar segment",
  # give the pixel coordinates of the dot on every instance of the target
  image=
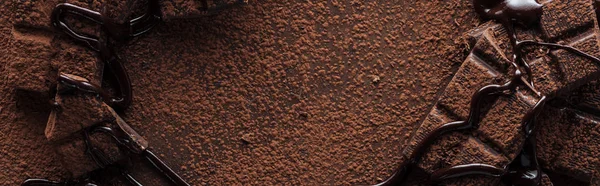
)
(488, 50)
(567, 19)
(31, 68)
(76, 110)
(563, 69)
(77, 161)
(472, 75)
(501, 125)
(586, 98)
(436, 117)
(569, 144)
(77, 60)
(454, 105)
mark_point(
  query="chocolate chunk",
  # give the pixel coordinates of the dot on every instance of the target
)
(569, 144)
(500, 37)
(563, 69)
(488, 50)
(30, 69)
(587, 97)
(564, 20)
(77, 161)
(79, 61)
(502, 124)
(474, 34)
(38, 55)
(473, 74)
(470, 150)
(436, 117)
(76, 110)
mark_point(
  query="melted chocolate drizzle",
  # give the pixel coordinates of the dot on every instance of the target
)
(112, 31)
(45, 182)
(85, 86)
(524, 169)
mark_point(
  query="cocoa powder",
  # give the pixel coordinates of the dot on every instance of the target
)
(265, 94)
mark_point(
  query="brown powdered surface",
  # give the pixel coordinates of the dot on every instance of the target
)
(271, 93)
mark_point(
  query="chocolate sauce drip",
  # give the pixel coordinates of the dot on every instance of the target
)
(45, 182)
(112, 31)
(472, 122)
(85, 86)
(468, 169)
(121, 79)
(204, 5)
(524, 169)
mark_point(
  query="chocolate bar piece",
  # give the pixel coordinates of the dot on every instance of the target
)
(77, 161)
(76, 60)
(569, 145)
(29, 67)
(498, 138)
(38, 57)
(39, 53)
(587, 97)
(76, 110)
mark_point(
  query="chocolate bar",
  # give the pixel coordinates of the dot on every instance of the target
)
(500, 135)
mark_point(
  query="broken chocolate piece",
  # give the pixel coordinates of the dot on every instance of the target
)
(76, 158)
(569, 144)
(76, 111)
(31, 69)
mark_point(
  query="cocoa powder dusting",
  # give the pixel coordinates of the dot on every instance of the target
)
(269, 93)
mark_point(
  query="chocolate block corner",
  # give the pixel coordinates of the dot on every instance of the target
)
(75, 157)
(75, 112)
